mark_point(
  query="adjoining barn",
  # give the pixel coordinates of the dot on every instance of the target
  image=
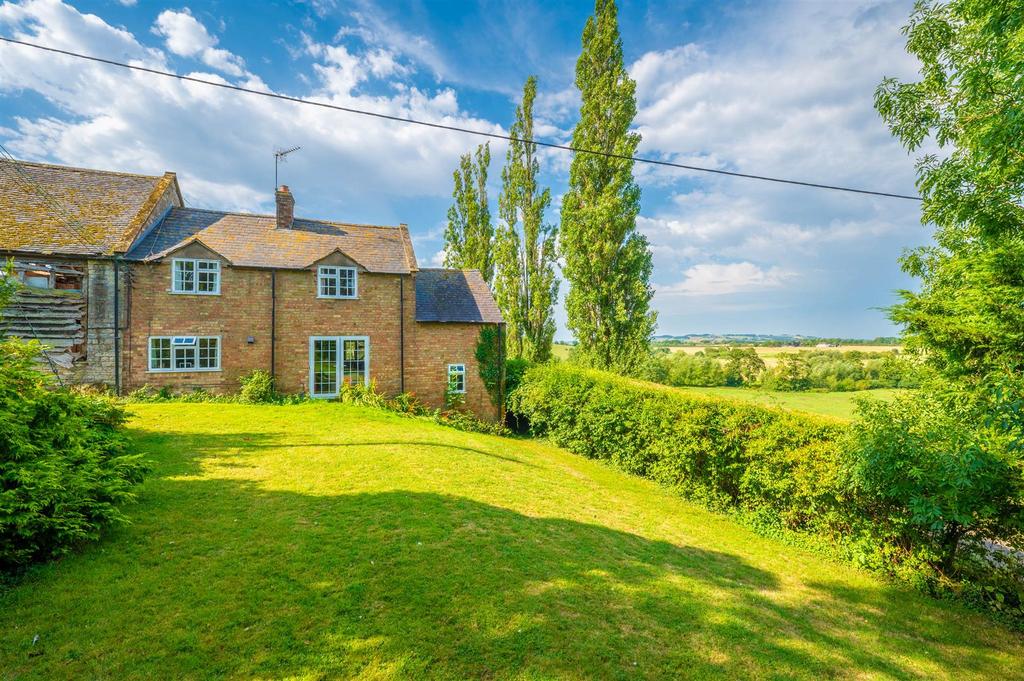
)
(202, 297)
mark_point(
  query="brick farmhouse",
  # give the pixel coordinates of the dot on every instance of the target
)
(128, 287)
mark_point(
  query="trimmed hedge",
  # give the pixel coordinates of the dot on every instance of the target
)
(905, 490)
(778, 466)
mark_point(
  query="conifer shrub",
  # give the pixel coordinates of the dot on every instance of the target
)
(64, 463)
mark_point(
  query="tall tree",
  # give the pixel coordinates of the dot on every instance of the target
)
(468, 239)
(946, 464)
(970, 101)
(525, 246)
(607, 262)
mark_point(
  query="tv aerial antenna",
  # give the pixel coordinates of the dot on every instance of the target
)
(279, 158)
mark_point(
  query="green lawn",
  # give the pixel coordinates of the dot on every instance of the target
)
(841, 405)
(323, 540)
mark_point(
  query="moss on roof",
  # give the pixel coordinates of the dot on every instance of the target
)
(63, 210)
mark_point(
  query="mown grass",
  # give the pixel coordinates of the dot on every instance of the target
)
(325, 540)
(838, 404)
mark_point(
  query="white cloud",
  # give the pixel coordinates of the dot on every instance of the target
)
(374, 27)
(786, 92)
(185, 36)
(437, 260)
(715, 279)
(790, 97)
(220, 143)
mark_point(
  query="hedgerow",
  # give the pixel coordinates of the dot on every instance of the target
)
(891, 492)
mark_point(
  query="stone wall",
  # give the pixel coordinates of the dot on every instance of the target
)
(99, 321)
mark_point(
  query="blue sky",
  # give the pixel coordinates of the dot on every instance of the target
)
(779, 89)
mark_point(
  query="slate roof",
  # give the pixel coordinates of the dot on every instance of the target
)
(73, 211)
(454, 296)
(247, 240)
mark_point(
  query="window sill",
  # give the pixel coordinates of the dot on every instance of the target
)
(338, 297)
(182, 371)
(192, 293)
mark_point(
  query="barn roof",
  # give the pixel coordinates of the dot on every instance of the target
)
(51, 209)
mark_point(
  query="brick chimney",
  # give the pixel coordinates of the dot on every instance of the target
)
(285, 207)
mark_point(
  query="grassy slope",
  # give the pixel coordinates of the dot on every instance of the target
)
(840, 404)
(326, 540)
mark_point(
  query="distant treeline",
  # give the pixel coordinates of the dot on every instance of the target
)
(772, 342)
(831, 370)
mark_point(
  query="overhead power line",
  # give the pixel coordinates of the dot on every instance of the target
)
(455, 128)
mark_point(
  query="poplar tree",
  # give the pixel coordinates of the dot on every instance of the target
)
(525, 246)
(607, 262)
(469, 236)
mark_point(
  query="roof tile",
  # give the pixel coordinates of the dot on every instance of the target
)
(247, 240)
(63, 210)
(454, 296)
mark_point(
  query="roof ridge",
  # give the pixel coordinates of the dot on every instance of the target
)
(79, 169)
(449, 269)
(271, 216)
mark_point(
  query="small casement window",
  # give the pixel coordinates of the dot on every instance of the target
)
(457, 378)
(195, 276)
(336, 282)
(184, 353)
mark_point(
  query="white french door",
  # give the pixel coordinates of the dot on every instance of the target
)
(335, 360)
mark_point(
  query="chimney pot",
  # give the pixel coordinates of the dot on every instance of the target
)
(285, 207)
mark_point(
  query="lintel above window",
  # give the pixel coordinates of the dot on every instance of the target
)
(337, 282)
(199, 277)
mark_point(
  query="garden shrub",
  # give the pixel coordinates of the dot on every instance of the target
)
(64, 466)
(939, 486)
(257, 387)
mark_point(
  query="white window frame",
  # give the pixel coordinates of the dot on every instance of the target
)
(170, 340)
(322, 274)
(339, 362)
(195, 276)
(457, 370)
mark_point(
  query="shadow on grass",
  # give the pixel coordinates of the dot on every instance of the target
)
(226, 578)
(192, 447)
(387, 443)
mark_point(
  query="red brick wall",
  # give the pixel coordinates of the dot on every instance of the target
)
(243, 309)
(300, 314)
(430, 348)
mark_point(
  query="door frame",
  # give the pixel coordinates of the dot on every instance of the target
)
(339, 359)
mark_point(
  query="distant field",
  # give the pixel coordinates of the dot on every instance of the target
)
(561, 351)
(771, 355)
(840, 405)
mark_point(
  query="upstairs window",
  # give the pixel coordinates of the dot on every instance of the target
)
(457, 378)
(184, 353)
(195, 276)
(336, 282)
